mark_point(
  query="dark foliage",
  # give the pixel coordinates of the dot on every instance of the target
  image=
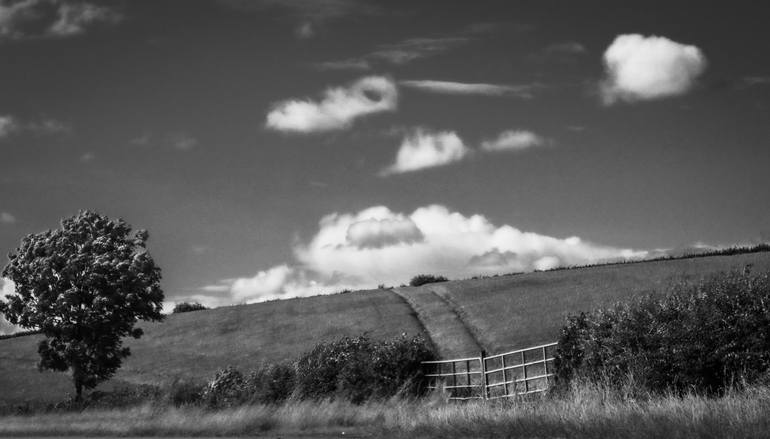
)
(705, 336)
(187, 307)
(227, 388)
(271, 383)
(360, 369)
(84, 286)
(422, 279)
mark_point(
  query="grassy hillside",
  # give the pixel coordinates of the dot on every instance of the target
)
(509, 312)
(196, 344)
(502, 313)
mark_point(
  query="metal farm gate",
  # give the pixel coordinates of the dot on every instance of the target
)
(518, 372)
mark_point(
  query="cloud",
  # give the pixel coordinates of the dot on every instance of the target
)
(6, 288)
(182, 141)
(750, 81)
(7, 218)
(10, 125)
(644, 68)
(378, 233)
(415, 48)
(344, 64)
(513, 140)
(179, 140)
(379, 246)
(423, 149)
(338, 107)
(399, 53)
(464, 88)
(310, 13)
(51, 18)
(566, 48)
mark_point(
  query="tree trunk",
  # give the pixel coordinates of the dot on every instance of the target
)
(78, 381)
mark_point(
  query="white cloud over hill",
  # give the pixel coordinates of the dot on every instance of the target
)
(644, 68)
(379, 246)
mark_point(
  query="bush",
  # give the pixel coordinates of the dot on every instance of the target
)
(184, 392)
(226, 389)
(187, 307)
(422, 279)
(360, 369)
(706, 336)
(271, 384)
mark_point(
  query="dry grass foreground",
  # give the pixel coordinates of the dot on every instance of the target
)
(588, 411)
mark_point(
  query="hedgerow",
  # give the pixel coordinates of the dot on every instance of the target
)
(705, 336)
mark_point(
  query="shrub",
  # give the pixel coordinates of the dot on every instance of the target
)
(360, 369)
(184, 392)
(422, 279)
(271, 384)
(187, 307)
(706, 336)
(226, 389)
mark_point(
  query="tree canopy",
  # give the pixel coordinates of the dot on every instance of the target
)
(84, 286)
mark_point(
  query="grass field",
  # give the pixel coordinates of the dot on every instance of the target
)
(508, 312)
(195, 344)
(503, 313)
(585, 412)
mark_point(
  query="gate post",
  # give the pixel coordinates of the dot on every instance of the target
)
(484, 381)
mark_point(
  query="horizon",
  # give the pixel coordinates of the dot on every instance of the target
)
(286, 149)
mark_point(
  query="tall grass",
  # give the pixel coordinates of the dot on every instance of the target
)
(585, 411)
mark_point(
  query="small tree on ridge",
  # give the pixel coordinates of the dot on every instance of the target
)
(84, 286)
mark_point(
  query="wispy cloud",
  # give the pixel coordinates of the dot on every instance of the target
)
(7, 218)
(52, 18)
(423, 149)
(338, 107)
(179, 140)
(380, 246)
(344, 64)
(310, 14)
(524, 91)
(644, 68)
(399, 53)
(416, 48)
(751, 81)
(566, 48)
(11, 125)
(513, 140)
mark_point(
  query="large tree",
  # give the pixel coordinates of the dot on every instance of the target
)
(84, 286)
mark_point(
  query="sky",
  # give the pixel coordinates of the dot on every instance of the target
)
(276, 149)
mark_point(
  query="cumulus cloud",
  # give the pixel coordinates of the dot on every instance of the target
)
(338, 107)
(463, 88)
(513, 140)
(453, 244)
(423, 149)
(379, 246)
(51, 18)
(378, 233)
(644, 68)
